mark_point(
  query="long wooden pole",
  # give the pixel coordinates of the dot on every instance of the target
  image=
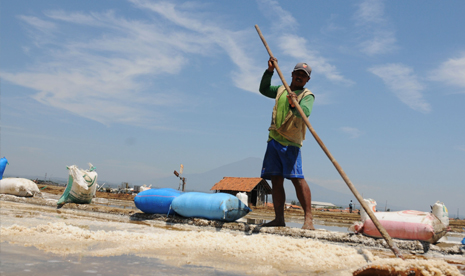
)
(344, 176)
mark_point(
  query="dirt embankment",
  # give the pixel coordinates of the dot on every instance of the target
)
(58, 190)
(326, 216)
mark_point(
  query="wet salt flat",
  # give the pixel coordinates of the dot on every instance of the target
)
(68, 235)
(53, 241)
(453, 238)
(19, 260)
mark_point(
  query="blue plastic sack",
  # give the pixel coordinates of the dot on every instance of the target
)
(463, 241)
(3, 163)
(156, 201)
(219, 206)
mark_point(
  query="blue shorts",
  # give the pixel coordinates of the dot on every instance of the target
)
(285, 161)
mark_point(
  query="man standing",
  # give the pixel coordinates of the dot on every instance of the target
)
(286, 134)
(350, 206)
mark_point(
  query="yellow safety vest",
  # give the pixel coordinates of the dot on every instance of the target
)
(293, 128)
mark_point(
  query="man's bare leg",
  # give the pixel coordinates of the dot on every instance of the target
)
(279, 199)
(305, 198)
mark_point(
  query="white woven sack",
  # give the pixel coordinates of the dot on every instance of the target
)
(81, 187)
(243, 197)
(18, 187)
(441, 212)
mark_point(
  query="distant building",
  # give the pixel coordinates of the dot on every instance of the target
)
(315, 204)
(291, 206)
(319, 204)
(256, 188)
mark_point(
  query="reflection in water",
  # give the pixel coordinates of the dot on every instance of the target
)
(18, 260)
(255, 221)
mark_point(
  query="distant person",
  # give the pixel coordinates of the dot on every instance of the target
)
(350, 206)
(286, 134)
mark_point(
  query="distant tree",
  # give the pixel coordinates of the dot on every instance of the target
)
(293, 202)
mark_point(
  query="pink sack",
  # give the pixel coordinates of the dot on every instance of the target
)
(406, 225)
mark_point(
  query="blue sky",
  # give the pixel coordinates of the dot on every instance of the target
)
(138, 87)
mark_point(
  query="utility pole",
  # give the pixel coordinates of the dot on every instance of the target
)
(182, 180)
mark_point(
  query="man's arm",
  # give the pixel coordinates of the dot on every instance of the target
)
(265, 85)
(306, 104)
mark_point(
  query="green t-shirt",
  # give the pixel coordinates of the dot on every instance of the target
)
(283, 107)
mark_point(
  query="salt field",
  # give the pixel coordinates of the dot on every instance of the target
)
(44, 240)
(157, 137)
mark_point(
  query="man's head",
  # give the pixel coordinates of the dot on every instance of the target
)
(300, 75)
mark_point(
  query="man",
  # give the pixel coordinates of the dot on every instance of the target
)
(286, 133)
(350, 206)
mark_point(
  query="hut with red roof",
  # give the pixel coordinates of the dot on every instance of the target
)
(256, 188)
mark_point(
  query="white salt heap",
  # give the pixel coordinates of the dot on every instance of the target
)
(229, 251)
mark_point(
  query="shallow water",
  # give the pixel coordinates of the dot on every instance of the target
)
(19, 260)
(455, 238)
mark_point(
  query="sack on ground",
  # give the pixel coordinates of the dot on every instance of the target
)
(441, 212)
(144, 188)
(3, 163)
(407, 225)
(156, 201)
(81, 187)
(219, 206)
(243, 197)
(19, 187)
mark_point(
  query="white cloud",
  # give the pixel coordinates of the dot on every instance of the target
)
(10, 128)
(404, 84)
(39, 24)
(41, 31)
(323, 96)
(296, 46)
(247, 74)
(381, 42)
(91, 19)
(102, 73)
(352, 132)
(451, 72)
(331, 26)
(376, 35)
(370, 11)
(282, 20)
